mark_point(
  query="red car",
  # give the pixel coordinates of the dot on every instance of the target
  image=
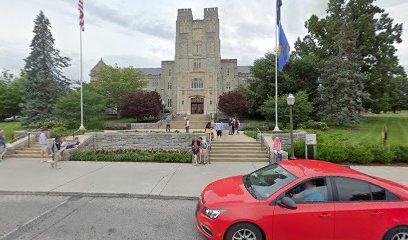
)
(304, 199)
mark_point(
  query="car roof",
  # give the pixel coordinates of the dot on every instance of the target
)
(304, 168)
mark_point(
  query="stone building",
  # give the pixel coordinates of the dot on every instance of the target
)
(193, 81)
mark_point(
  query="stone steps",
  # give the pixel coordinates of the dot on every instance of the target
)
(239, 151)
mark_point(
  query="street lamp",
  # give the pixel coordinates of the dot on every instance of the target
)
(291, 101)
(163, 102)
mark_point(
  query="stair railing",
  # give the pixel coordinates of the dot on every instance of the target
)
(262, 141)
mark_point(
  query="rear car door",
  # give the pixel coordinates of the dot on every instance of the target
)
(314, 216)
(362, 210)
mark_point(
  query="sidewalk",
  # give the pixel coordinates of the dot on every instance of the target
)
(155, 179)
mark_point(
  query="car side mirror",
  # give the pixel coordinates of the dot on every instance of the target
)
(287, 203)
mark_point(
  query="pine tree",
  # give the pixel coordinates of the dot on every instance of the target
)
(45, 81)
(341, 89)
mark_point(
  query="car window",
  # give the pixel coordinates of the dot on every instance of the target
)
(309, 191)
(352, 190)
(356, 190)
(266, 181)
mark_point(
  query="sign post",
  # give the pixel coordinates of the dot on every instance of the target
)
(311, 141)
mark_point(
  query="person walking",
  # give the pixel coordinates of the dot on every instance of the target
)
(208, 131)
(219, 126)
(196, 149)
(277, 149)
(187, 124)
(230, 126)
(237, 125)
(43, 139)
(233, 126)
(203, 151)
(56, 153)
(168, 123)
(3, 147)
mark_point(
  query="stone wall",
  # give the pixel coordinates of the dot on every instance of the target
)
(156, 125)
(285, 138)
(142, 141)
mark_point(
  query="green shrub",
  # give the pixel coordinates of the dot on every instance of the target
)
(314, 125)
(332, 153)
(60, 132)
(401, 153)
(252, 134)
(382, 154)
(299, 149)
(132, 156)
(359, 154)
(46, 124)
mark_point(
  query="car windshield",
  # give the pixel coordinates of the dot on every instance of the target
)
(266, 181)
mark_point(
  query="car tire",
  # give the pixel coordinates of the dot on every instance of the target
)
(244, 229)
(393, 233)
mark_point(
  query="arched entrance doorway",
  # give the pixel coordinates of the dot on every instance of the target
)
(197, 105)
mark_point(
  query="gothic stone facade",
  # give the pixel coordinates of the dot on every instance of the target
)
(192, 83)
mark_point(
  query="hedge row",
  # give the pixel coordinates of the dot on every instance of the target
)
(340, 152)
(140, 156)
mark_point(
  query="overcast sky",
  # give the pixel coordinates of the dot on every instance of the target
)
(141, 33)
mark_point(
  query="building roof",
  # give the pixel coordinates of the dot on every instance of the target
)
(150, 71)
(100, 64)
(244, 69)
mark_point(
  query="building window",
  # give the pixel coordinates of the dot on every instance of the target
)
(169, 72)
(228, 71)
(197, 83)
(155, 83)
(197, 64)
(182, 102)
(210, 102)
(228, 85)
(169, 103)
(169, 85)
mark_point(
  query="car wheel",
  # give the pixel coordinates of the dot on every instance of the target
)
(244, 231)
(398, 233)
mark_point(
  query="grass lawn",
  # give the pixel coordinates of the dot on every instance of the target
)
(9, 128)
(372, 129)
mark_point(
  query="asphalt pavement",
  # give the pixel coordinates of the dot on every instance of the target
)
(76, 217)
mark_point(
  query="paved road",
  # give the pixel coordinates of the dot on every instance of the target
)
(54, 218)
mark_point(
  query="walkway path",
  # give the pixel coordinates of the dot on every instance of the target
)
(154, 179)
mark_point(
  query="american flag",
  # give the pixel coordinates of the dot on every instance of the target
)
(81, 14)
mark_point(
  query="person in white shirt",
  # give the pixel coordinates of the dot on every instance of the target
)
(43, 139)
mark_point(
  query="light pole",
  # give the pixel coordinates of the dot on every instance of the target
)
(291, 101)
(163, 102)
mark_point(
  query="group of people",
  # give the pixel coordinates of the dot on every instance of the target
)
(200, 151)
(234, 125)
(55, 149)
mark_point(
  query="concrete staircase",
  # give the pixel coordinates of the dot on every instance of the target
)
(237, 152)
(197, 121)
(34, 151)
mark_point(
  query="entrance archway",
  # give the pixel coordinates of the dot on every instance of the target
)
(197, 105)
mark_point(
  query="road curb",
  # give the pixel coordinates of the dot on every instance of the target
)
(101, 195)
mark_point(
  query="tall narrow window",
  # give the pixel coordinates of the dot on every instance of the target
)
(197, 64)
(169, 103)
(169, 85)
(228, 85)
(228, 71)
(197, 83)
(169, 72)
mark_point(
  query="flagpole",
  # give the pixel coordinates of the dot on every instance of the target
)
(276, 129)
(80, 79)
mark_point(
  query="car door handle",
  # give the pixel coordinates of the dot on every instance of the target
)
(325, 215)
(376, 213)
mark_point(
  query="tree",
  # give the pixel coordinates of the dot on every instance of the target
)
(11, 94)
(45, 81)
(376, 37)
(341, 89)
(68, 108)
(114, 83)
(140, 105)
(233, 103)
(302, 110)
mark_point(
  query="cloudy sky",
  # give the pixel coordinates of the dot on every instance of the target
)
(141, 33)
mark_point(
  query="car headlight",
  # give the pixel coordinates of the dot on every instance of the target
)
(213, 213)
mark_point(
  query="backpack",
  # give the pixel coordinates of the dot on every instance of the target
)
(204, 145)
